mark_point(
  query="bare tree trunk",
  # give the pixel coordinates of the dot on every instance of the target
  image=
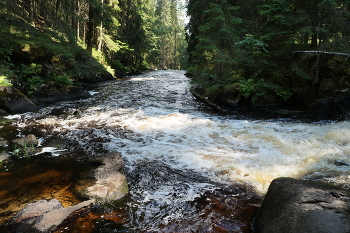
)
(314, 37)
(77, 12)
(29, 7)
(99, 48)
(57, 8)
(90, 30)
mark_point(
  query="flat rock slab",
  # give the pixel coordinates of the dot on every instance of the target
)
(299, 206)
(45, 216)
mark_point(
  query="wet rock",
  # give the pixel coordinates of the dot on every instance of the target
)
(109, 180)
(341, 106)
(52, 93)
(333, 108)
(3, 142)
(4, 156)
(58, 112)
(13, 101)
(36, 209)
(45, 216)
(321, 109)
(301, 206)
(3, 112)
(29, 140)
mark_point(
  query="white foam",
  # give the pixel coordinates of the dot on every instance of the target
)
(54, 151)
(12, 117)
(225, 149)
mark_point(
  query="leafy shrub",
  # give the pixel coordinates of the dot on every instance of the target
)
(26, 71)
(254, 90)
(4, 81)
(34, 82)
(120, 68)
(62, 79)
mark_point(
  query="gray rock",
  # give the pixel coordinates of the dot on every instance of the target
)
(341, 106)
(299, 206)
(321, 109)
(52, 93)
(45, 216)
(36, 209)
(29, 140)
(3, 142)
(110, 181)
(3, 112)
(49, 221)
(4, 157)
(13, 101)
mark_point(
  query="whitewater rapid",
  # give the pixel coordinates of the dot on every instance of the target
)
(154, 118)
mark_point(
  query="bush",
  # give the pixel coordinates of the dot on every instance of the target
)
(62, 79)
(4, 81)
(34, 82)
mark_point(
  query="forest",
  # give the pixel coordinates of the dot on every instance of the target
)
(69, 42)
(288, 52)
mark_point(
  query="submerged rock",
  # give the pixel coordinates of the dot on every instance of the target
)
(46, 216)
(13, 101)
(109, 180)
(301, 206)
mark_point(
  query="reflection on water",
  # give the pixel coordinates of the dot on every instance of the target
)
(188, 169)
(37, 178)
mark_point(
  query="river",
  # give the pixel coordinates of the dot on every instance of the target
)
(189, 169)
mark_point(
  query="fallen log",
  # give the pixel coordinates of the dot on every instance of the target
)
(323, 52)
(205, 100)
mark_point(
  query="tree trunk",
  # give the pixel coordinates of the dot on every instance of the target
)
(58, 3)
(99, 48)
(90, 30)
(314, 37)
(29, 7)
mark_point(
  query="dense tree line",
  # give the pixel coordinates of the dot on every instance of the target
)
(62, 36)
(259, 48)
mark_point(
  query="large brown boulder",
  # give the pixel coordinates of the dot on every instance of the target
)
(13, 101)
(300, 206)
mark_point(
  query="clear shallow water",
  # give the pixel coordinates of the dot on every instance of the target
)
(183, 161)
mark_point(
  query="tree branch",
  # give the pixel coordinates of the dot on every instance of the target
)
(323, 52)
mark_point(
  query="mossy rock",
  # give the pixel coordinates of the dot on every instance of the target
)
(13, 101)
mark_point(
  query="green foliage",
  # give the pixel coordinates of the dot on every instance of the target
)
(23, 151)
(27, 71)
(34, 82)
(255, 90)
(253, 41)
(4, 81)
(61, 79)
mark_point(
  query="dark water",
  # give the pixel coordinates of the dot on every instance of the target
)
(188, 169)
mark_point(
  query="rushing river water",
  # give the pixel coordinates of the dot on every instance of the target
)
(189, 170)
